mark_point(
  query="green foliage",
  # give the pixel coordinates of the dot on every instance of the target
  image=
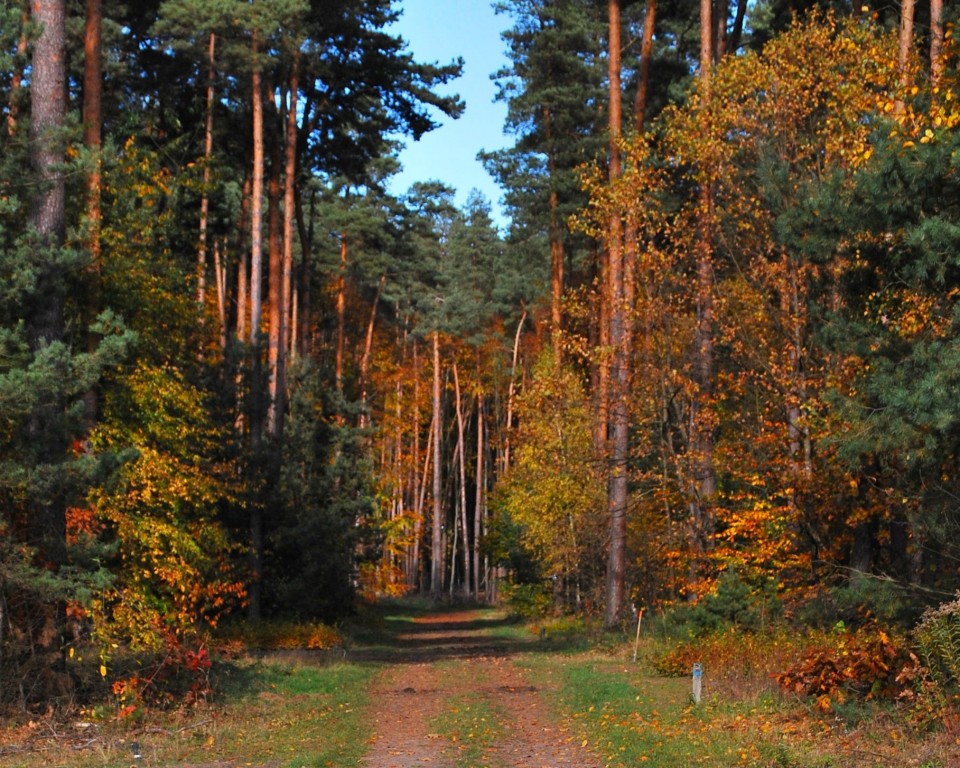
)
(325, 503)
(733, 604)
(938, 641)
(531, 600)
(175, 563)
(554, 487)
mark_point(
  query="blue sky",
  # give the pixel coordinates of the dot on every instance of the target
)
(439, 31)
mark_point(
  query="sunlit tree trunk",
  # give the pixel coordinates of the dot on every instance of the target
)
(702, 478)
(92, 119)
(511, 394)
(936, 41)
(617, 491)
(205, 194)
(436, 554)
(462, 472)
(287, 318)
(480, 501)
(341, 315)
(364, 366)
(256, 309)
(275, 303)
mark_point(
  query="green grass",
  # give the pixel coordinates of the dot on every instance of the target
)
(631, 719)
(472, 727)
(294, 715)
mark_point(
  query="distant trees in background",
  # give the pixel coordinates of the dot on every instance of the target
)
(239, 379)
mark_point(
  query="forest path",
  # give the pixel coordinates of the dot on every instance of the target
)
(452, 695)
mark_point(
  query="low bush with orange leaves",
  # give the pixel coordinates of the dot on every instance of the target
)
(869, 664)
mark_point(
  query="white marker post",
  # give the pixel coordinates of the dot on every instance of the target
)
(636, 644)
(697, 681)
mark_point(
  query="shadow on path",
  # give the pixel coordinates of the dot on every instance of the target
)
(398, 635)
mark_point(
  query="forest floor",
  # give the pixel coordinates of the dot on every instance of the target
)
(453, 696)
(470, 688)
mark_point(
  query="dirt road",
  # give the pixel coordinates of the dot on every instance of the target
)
(440, 666)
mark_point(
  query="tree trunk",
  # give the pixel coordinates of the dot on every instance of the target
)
(618, 414)
(45, 321)
(462, 467)
(287, 319)
(341, 315)
(92, 119)
(646, 54)
(702, 478)
(511, 394)
(479, 505)
(436, 558)
(275, 305)
(555, 234)
(364, 366)
(936, 41)
(905, 38)
(256, 308)
(205, 195)
(304, 282)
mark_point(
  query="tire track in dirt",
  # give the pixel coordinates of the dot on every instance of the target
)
(450, 657)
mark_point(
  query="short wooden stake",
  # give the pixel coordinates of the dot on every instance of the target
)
(636, 644)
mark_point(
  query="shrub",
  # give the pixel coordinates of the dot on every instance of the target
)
(530, 601)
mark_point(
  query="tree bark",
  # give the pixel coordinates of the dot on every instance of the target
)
(254, 607)
(275, 306)
(480, 501)
(92, 119)
(287, 319)
(703, 482)
(646, 54)
(341, 315)
(205, 195)
(936, 41)
(462, 467)
(436, 555)
(617, 490)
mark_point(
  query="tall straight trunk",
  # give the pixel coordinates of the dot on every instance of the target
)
(254, 606)
(256, 205)
(436, 555)
(287, 318)
(205, 194)
(364, 366)
(936, 41)
(275, 307)
(419, 485)
(92, 119)
(702, 478)
(220, 273)
(45, 323)
(905, 39)
(555, 234)
(304, 283)
(462, 467)
(511, 393)
(480, 501)
(93, 142)
(341, 315)
(646, 54)
(617, 409)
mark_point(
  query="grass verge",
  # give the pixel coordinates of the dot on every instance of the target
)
(289, 715)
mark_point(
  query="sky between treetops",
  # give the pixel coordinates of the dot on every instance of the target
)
(439, 31)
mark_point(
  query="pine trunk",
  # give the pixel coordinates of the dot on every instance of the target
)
(254, 607)
(436, 555)
(617, 410)
(205, 194)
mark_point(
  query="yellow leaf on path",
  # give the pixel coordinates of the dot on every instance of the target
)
(584, 743)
